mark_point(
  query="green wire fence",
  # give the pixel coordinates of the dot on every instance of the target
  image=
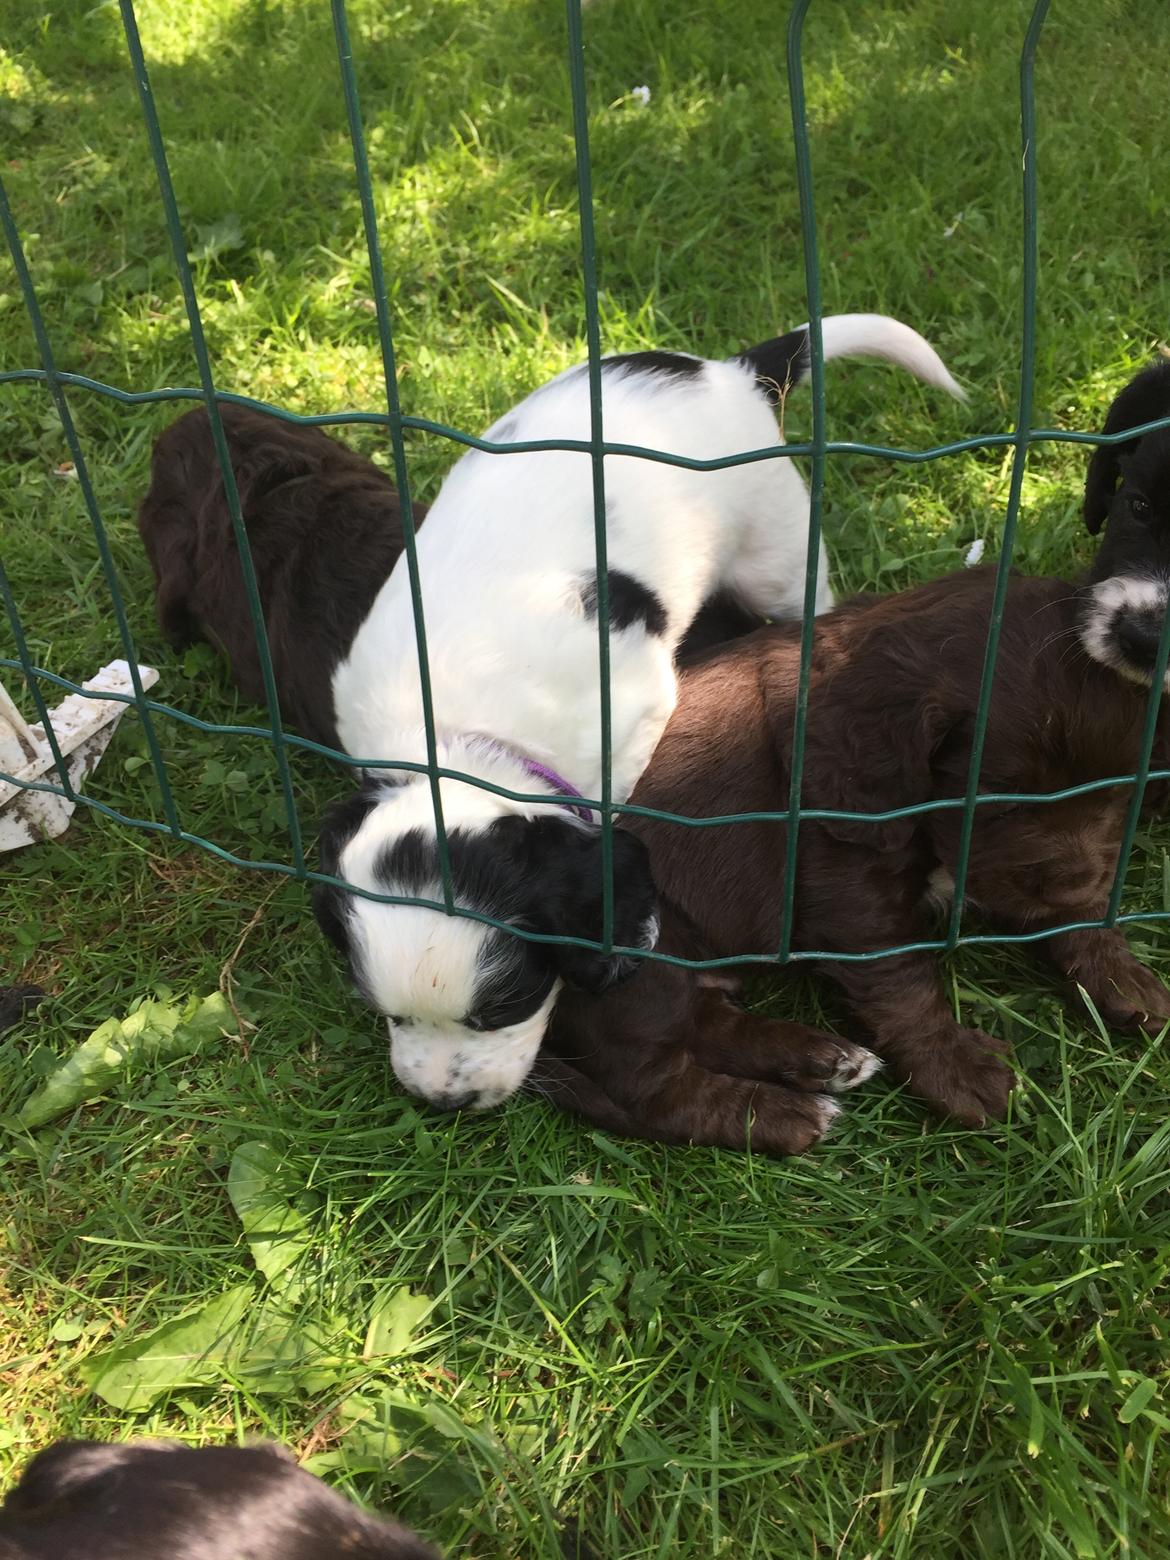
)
(396, 423)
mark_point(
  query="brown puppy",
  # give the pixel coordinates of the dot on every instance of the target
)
(325, 530)
(894, 691)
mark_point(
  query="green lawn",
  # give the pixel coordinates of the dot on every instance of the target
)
(915, 1342)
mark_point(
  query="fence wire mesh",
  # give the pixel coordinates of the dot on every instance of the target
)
(395, 424)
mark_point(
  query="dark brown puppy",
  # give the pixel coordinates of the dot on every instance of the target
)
(159, 1500)
(895, 687)
(325, 530)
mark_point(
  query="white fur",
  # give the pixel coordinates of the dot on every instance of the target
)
(940, 889)
(857, 1065)
(879, 336)
(827, 1111)
(475, 1071)
(513, 655)
(1135, 594)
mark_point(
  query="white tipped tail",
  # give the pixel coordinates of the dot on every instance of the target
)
(877, 335)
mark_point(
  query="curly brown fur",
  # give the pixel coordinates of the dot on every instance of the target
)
(324, 530)
(894, 692)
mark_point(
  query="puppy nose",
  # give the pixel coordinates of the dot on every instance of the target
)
(453, 1100)
(1137, 636)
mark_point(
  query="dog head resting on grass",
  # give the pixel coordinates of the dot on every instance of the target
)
(1128, 492)
(511, 600)
(160, 1500)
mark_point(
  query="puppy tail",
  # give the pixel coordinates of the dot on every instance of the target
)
(786, 361)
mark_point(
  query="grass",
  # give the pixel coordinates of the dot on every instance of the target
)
(917, 1341)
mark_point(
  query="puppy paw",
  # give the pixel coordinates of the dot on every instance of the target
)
(1137, 1001)
(963, 1077)
(783, 1122)
(826, 1063)
(853, 1065)
(773, 1051)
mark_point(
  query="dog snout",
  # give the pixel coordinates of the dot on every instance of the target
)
(453, 1100)
(1137, 635)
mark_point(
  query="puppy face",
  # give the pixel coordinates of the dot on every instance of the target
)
(158, 1500)
(467, 1004)
(1128, 492)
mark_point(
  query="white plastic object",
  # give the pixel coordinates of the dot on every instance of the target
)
(83, 728)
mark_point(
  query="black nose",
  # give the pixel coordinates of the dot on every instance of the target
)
(1137, 636)
(454, 1101)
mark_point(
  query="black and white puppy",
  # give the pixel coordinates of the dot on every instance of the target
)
(508, 571)
(1127, 491)
(160, 1500)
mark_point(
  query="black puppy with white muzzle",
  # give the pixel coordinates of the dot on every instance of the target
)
(1127, 491)
(161, 1500)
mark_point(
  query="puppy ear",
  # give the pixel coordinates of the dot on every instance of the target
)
(874, 771)
(1144, 399)
(565, 879)
(1100, 485)
(338, 827)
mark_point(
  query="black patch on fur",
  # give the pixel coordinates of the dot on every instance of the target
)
(672, 365)
(539, 874)
(780, 364)
(156, 1501)
(543, 875)
(630, 603)
(1127, 494)
(333, 906)
(719, 620)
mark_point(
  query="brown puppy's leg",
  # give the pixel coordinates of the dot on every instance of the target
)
(627, 1060)
(693, 1105)
(686, 1103)
(900, 1000)
(730, 1040)
(1124, 992)
(1073, 885)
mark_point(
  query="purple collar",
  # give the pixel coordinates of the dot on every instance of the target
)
(542, 772)
(559, 785)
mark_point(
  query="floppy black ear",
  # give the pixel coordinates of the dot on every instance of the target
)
(565, 881)
(1145, 398)
(338, 827)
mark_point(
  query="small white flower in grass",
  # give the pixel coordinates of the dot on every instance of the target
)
(642, 94)
(949, 231)
(974, 553)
